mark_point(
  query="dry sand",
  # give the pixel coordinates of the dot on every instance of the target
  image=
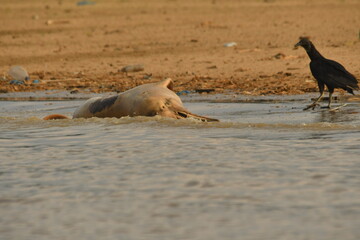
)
(82, 48)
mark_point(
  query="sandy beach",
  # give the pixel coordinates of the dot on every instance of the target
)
(78, 48)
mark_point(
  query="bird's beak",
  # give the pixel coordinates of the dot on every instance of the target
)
(297, 45)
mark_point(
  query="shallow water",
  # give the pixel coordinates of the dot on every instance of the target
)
(268, 170)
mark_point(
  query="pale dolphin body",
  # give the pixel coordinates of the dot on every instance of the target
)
(144, 100)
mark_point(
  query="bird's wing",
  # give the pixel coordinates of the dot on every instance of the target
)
(333, 74)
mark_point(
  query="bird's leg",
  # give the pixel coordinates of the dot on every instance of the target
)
(330, 98)
(329, 106)
(314, 104)
(331, 91)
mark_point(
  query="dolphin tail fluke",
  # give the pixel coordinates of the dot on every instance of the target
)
(55, 116)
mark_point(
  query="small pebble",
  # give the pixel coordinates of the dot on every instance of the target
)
(183, 92)
(208, 90)
(133, 68)
(16, 82)
(19, 73)
(83, 3)
(230, 44)
(147, 76)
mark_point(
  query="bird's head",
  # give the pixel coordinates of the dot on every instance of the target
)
(305, 43)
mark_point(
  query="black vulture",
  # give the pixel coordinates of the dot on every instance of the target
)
(327, 72)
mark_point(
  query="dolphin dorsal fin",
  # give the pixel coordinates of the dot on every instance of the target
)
(168, 83)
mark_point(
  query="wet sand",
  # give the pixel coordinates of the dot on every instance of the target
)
(82, 48)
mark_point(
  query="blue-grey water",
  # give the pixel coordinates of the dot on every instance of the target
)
(268, 170)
